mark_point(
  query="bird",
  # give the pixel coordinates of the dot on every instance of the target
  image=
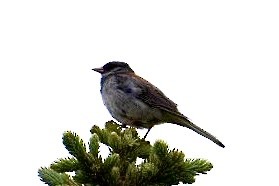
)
(134, 101)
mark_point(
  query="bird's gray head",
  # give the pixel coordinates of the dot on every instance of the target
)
(113, 67)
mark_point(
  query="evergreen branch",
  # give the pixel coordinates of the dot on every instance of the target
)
(87, 165)
(74, 144)
(197, 166)
(54, 178)
(65, 165)
(94, 145)
(160, 166)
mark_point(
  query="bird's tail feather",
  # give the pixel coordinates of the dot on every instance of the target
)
(184, 121)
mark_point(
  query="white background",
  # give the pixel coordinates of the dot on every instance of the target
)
(218, 60)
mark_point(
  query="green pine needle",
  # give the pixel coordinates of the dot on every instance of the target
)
(65, 165)
(160, 165)
(54, 178)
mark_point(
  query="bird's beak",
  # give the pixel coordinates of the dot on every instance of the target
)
(100, 70)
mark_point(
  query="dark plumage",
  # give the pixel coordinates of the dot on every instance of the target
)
(134, 101)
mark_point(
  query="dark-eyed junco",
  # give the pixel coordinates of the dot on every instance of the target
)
(134, 101)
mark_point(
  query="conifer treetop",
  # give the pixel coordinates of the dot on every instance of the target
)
(160, 166)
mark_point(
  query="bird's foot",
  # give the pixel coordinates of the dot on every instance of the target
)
(124, 126)
(146, 133)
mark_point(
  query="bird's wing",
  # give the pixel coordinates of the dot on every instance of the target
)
(145, 91)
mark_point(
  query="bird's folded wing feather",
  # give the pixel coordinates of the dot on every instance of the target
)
(152, 96)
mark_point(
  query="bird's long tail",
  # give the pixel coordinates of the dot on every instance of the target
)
(184, 121)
